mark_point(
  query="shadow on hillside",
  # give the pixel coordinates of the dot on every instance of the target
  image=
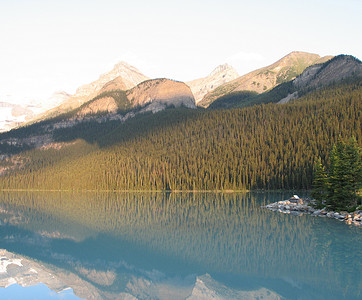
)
(103, 134)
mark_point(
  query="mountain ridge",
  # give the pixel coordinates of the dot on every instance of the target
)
(321, 75)
(266, 78)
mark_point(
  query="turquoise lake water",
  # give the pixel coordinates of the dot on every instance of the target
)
(172, 246)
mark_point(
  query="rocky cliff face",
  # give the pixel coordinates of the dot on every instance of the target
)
(222, 74)
(337, 69)
(261, 80)
(161, 93)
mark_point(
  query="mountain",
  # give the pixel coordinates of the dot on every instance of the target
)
(13, 115)
(268, 77)
(9, 117)
(122, 76)
(130, 77)
(54, 100)
(150, 95)
(115, 84)
(222, 74)
(108, 107)
(340, 68)
(161, 92)
(333, 71)
(336, 69)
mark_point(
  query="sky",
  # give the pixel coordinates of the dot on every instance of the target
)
(51, 45)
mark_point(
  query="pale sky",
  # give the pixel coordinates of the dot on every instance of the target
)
(51, 45)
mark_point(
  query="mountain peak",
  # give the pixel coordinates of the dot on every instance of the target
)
(222, 68)
(130, 75)
(220, 75)
(124, 66)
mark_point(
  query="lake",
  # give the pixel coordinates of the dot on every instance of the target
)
(88, 245)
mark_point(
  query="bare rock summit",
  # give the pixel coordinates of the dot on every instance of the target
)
(158, 93)
(220, 75)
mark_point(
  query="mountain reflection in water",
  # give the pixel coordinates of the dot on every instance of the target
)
(177, 246)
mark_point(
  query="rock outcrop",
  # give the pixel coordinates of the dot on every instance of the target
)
(222, 74)
(299, 207)
(261, 80)
(159, 93)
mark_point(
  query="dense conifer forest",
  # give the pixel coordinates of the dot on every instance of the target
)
(265, 146)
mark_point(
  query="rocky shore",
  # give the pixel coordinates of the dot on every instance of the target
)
(297, 206)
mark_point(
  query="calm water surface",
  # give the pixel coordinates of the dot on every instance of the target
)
(171, 246)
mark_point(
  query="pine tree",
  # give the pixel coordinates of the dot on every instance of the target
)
(344, 178)
(320, 182)
(353, 176)
(337, 191)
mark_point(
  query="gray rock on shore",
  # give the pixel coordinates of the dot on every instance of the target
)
(297, 206)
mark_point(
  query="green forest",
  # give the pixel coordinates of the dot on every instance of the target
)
(339, 187)
(265, 146)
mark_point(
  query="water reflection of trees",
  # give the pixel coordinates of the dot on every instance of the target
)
(225, 233)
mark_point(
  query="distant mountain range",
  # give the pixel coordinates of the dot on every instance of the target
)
(264, 79)
(14, 115)
(125, 92)
(333, 71)
(222, 81)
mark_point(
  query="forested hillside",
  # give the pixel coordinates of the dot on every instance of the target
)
(264, 146)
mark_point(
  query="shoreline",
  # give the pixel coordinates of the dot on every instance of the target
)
(298, 207)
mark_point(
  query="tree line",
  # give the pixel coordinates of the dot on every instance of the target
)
(265, 146)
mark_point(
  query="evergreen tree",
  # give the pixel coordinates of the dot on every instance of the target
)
(353, 177)
(344, 180)
(320, 182)
(337, 191)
